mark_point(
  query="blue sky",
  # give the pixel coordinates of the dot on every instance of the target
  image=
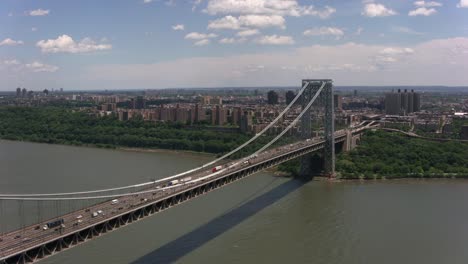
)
(125, 44)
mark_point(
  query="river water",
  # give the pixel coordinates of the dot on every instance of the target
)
(261, 219)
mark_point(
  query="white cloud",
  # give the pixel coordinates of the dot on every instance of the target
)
(227, 22)
(427, 63)
(427, 4)
(33, 29)
(196, 3)
(40, 67)
(227, 41)
(463, 4)
(66, 44)
(178, 27)
(35, 66)
(202, 42)
(147, 1)
(377, 10)
(324, 31)
(422, 11)
(259, 21)
(11, 42)
(270, 7)
(396, 51)
(11, 62)
(248, 33)
(199, 36)
(39, 12)
(406, 30)
(359, 31)
(275, 40)
(232, 40)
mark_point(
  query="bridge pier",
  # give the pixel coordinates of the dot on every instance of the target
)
(326, 97)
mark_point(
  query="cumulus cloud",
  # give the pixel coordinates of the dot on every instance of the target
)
(377, 10)
(248, 33)
(427, 4)
(178, 27)
(11, 42)
(427, 63)
(406, 30)
(198, 36)
(66, 44)
(40, 67)
(35, 66)
(422, 11)
(227, 40)
(202, 42)
(147, 1)
(324, 31)
(275, 40)
(271, 7)
(424, 8)
(463, 4)
(11, 62)
(259, 21)
(39, 12)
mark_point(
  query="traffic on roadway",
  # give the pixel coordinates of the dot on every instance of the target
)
(16, 241)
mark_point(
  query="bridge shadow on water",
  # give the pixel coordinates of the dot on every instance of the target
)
(189, 242)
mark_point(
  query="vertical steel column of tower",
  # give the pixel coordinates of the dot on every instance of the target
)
(329, 126)
(326, 97)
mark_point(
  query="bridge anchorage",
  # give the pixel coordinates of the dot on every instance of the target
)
(323, 89)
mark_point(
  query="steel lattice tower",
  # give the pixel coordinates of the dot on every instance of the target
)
(326, 100)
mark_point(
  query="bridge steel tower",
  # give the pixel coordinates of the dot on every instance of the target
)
(326, 98)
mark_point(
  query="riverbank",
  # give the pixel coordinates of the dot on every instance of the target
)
(146, 150)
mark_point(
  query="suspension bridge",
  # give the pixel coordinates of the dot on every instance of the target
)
(108, 209)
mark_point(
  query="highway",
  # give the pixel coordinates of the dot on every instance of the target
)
(17, 241)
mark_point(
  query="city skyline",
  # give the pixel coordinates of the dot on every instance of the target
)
(165, 44)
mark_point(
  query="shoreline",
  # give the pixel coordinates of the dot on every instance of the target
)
(118, 148)
(274, 171)
(156, 150)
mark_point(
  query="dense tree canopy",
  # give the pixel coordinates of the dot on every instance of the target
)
(64, 126)
(393, 155)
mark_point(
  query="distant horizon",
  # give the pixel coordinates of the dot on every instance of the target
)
(338, 87)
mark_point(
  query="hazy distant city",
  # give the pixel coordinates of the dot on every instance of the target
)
(428, 110)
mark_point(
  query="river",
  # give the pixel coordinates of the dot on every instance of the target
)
(261, 219)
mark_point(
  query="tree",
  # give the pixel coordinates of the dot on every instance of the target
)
(272, 97)
(290, 96)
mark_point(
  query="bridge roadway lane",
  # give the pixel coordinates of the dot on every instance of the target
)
(19, 240)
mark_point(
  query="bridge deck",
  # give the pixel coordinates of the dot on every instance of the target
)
(19, 241)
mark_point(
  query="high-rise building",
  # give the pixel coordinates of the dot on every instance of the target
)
(411, 102)
(338, 101)
(416, 102)
(246, 123)
(24, 93)
(18, 92)
(199, 113)
(140, 102)
(402, 103)
(392, 103)
(220, 116)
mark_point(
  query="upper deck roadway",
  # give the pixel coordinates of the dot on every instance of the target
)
(30, 244)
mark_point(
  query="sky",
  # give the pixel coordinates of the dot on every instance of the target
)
(153, 44)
